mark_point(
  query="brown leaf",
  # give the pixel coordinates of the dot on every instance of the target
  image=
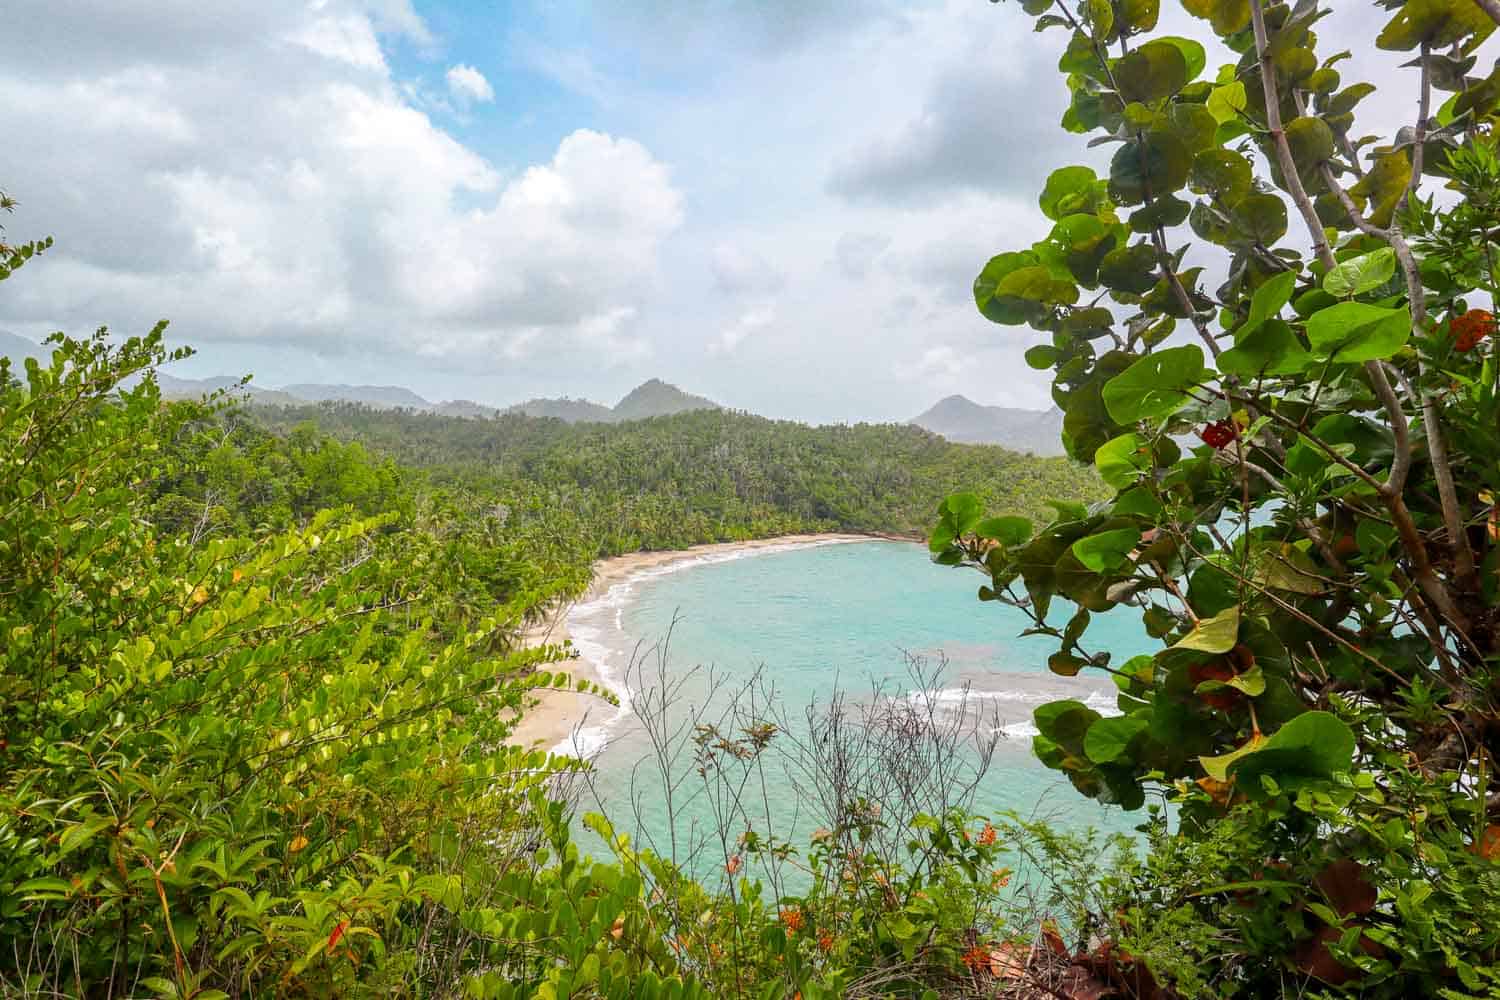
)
(1346, 887)
(1007, 961)
(1053, 938)
(1079, 984)
(1488, 844)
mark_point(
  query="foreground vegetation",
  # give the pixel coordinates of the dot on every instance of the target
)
(257, 680)
(1321, 562)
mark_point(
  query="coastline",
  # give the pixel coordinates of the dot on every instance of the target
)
(557, 720)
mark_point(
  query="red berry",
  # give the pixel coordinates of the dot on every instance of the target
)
(1218, 434)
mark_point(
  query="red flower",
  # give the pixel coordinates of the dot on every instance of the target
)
(1470, 328)
(1218, 434)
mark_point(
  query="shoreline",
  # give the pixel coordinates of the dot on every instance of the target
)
(555, 723)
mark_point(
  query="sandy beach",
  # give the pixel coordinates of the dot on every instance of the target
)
(561, 713)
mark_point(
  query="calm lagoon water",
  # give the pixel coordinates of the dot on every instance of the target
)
(807, 621)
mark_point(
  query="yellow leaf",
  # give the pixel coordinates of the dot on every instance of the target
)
(297, 844)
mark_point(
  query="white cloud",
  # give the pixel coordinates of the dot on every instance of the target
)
(468, 85)
(940, 364)
(740, 271)
(291, 193)
(856, 253)
(746, 325)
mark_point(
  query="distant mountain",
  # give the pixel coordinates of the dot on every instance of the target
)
(464, 408)
(378, 396)
(960, 419)
(173, 387)
(16, 348)
(652, 398)
(655, 398)
(570, 411)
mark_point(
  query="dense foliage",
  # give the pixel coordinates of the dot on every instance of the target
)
(1303, 459)
(258, 686)
(702, 476)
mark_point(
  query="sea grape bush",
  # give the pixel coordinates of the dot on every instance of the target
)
(1273, 339)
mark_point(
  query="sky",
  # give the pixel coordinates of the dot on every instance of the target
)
(780, 205)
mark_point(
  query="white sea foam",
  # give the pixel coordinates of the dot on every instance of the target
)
(1034, 689)
(597, 628)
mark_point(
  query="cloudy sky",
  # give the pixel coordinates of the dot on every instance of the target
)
(778, 205)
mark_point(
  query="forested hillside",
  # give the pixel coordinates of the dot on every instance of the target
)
(703, 475)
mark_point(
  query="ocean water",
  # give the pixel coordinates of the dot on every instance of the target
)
(783, 632)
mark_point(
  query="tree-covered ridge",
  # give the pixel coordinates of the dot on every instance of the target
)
(704, 475)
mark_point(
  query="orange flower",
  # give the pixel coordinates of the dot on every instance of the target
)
(791, 916)
(977, 959)
(732, 865)
(1001, 878)
(987, 835)
(1470, 328)
(825, 941)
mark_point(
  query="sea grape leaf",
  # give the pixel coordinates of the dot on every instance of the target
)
(1223, 174)
(1156, 70)
(1270, 348)
(1226, 16)
(1069, 190)
(1109, 738)
(1107, 551)
(1261, 217)
(1213, 635)
(1121, 460)
(1310, 746)
(1155, 386)
(1439, 23)
(1226, 103)
(1361, 274)
(1008, 531)
(1357, 331)
(1311, 142)
(1157, 162)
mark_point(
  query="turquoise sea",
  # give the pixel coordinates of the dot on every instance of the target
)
(781, 632)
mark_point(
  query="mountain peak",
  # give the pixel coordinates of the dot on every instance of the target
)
(959, 418)
(655, 398)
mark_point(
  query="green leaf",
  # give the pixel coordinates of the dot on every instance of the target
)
(1361, 274)
(1008, 531)
(1268, 299)
(1109, 738)
(1227, 102)
(1154, 71)
(1122, 460)
(1439, 23)
(1311, 142)
(1261, 217)
(1129, 269)
(1139, 15)
(1068, 191)
(1107, 551)
(1158, 162)
(1222, 174)
(1357, 331)
(1042, 356)
(1226, 16)
(1312, 745)
(1218, 634)
(1270, 348)
(1155, 386)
